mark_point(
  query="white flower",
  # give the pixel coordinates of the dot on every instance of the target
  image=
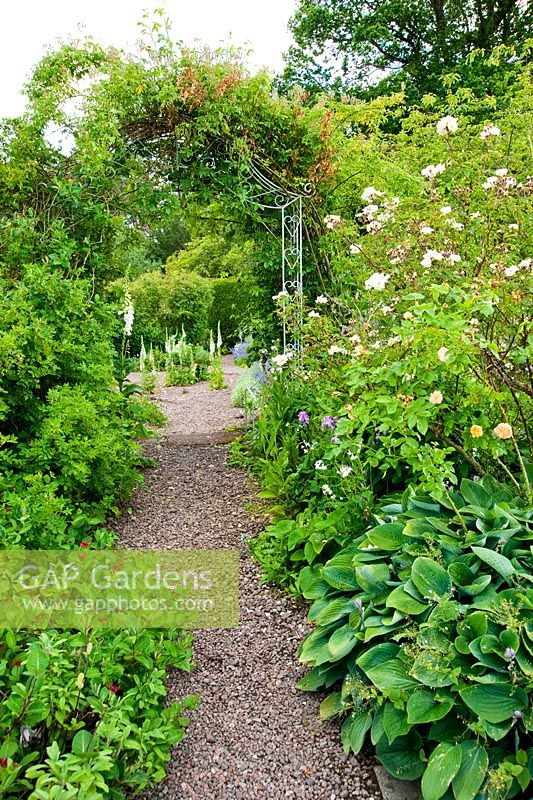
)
(280, 295)
(386, 309)
(490, 130)
(370, 194)
(344, 471)
(447, 125)
(501, 173)
(282, 359)
(370, 210)
(442, 354)
(334, 349)
(355, 249)
(395, 339)
(332, 220)
(374, 227)
(430, 256)
(426, 230)
(326, 489)
(491, 182)
(128, 312)
(319, 465)
(313, 314)
(377, 281)
(432, 170)
(321, 300)
(510, 271)
(513, 226)
(407, 315)
(457, 226)
(436, 398)
(475, 215)
(446, 210)
(526, 263)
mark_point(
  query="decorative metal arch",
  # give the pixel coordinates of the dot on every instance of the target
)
(271, 195)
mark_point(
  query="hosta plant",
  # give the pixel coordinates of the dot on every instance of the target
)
(424, 632)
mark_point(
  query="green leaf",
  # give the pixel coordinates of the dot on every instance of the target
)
(392, 675)
(426, 706)
(332, 706)
(388, 536)
(37, 660)
(334, 610)
(312, 681)
(394, 722)
(443, 766)
(494, 702)
(496, 561)
(340, 577)
(475, 494)
(372, 578)
(81, 744)
(378, 655)
(341, 642)
(354, 730)
(430, 578)
(399, 599)
(471, 775)
(402, 757)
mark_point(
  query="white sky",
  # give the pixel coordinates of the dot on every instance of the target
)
(28, 26)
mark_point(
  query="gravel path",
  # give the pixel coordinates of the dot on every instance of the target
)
(255, 735)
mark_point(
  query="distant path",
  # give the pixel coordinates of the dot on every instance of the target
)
(255, 735)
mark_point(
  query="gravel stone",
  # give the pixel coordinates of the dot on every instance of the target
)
(255, 736)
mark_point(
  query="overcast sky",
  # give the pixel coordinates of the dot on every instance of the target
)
(29, 26)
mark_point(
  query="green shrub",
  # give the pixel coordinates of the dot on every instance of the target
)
(82, 715)
(235, 304)
(166, 304)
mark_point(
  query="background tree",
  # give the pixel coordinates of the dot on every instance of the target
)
(376, 46)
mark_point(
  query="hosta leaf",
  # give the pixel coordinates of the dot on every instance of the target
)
(388, 536)
(430, 578)
(431, 670)
(426, 706)
(443, 766)
(471, 775)
(496, 561)
(354, 730)
(334, 610)
(399, 599)
(402, 757)
(494, 702)
(312, 681)
(378, 655)
(394, 722)
(372, 578)
(331, 706)
(340, 577)
(392, 675)
(475, 494)
(341, 642)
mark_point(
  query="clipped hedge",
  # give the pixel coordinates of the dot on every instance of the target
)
(168, 303)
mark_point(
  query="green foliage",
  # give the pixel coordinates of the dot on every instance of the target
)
(96, 699)
(217, 381)
(425, 620)
(371, 48)
(235, 305)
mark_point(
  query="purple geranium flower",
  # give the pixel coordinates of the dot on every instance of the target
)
(303, 417)
(329, 422)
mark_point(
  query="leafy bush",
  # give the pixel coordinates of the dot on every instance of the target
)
(235, 304)
(82, 715)
(426, 619)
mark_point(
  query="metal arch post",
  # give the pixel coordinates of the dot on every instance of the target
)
(271, 195)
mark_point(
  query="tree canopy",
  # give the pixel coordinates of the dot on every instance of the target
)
(348, 45)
